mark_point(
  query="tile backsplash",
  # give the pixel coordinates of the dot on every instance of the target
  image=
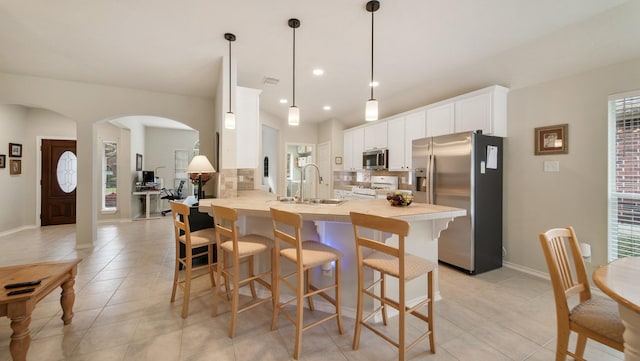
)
(230, 181)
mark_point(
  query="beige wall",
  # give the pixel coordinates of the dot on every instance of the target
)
(534, 200)
(87, 104)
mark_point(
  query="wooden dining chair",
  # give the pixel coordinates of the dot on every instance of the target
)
(234, 250)
(593, 317)
(390, 261)
(305, 255)
(201, 242)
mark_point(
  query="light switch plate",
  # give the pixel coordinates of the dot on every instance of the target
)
(551, 166)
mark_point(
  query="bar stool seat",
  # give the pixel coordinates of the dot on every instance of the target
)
(315, 254)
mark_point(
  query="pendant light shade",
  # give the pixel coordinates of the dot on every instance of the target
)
(229, 117)
(294, 115)
(371, 109)
(294, 111)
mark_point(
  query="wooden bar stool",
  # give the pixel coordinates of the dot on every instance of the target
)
(305, 255)
(393, 262)
(240, 249)
(191, 241)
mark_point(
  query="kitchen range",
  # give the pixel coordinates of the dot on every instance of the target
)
(380, 186)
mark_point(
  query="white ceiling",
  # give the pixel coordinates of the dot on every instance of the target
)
(425, 50)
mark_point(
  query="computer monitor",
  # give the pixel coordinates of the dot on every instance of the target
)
(148, 177)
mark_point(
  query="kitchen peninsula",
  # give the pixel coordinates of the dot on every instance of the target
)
(330, 224)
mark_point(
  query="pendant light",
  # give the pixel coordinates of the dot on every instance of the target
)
(294, 111)
(229, 117)
(371, 109)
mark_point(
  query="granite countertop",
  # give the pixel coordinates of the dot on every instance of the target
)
(257, 203)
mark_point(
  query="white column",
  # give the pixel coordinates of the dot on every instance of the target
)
(88, 183)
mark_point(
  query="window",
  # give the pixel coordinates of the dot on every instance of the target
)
(624, 175)
(109, 176)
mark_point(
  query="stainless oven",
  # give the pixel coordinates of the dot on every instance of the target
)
(375, 159)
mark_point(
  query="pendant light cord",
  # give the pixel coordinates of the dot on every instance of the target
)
(229, 76)
(371, 85)
(294, 66)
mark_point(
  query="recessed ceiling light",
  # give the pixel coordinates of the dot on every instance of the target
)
(318, 72)
(327, 107)
(374, 83)
(283, 101)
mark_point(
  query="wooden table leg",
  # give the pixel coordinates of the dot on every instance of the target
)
(21, 338)
(67, 298)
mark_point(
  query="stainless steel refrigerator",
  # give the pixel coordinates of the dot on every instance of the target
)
(463, 170)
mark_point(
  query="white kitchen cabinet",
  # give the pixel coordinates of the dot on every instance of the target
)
(375, 135)
(485, 110)
(353, 148)
(440, 120)
(396, 143)
(415, 127)
(401, 132)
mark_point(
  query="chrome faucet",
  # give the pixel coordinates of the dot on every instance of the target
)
(304, 169)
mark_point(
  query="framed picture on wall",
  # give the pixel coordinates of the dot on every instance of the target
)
(138, 161)
(15, 166)
(552, 139)
(15, 150)
(3, 161)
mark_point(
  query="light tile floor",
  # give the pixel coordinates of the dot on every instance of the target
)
(122, 311)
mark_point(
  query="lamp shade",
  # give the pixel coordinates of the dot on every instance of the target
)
(200, 164)
(229, 120)
(371, 110)
(294, 115)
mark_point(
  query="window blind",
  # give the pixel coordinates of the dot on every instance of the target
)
(624, 178)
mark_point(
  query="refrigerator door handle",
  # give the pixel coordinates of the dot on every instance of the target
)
(430, 198)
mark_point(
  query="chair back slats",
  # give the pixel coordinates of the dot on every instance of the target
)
(180, 212)
(384, 224)
(566, 270)
(399, 227)
(291, 234)
(225, 219)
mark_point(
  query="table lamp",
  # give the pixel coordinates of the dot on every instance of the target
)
(200, 165)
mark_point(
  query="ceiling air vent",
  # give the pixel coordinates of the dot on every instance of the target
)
(270, 81)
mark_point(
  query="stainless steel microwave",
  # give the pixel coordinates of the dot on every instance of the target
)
(375, 159)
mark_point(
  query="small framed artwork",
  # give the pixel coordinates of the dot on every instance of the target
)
(15, 166)
(3, 160)
(138, 161)
(338, 160)
(553, 139)
(15, 150)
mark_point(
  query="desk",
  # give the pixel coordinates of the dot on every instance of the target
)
(19, 307)
(620, 281)
(147, 195)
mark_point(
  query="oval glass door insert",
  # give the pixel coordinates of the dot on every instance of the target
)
(67, 172)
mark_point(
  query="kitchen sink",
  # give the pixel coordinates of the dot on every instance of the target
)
(325, 201)
(329, 201)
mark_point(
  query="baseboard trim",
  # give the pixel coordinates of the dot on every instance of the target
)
(526, 270)
(14, 230)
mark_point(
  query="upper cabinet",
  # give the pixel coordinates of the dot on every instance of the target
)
(401, 131)
(353, 148)
(484, 110)
(440, 120)
(375, 135)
